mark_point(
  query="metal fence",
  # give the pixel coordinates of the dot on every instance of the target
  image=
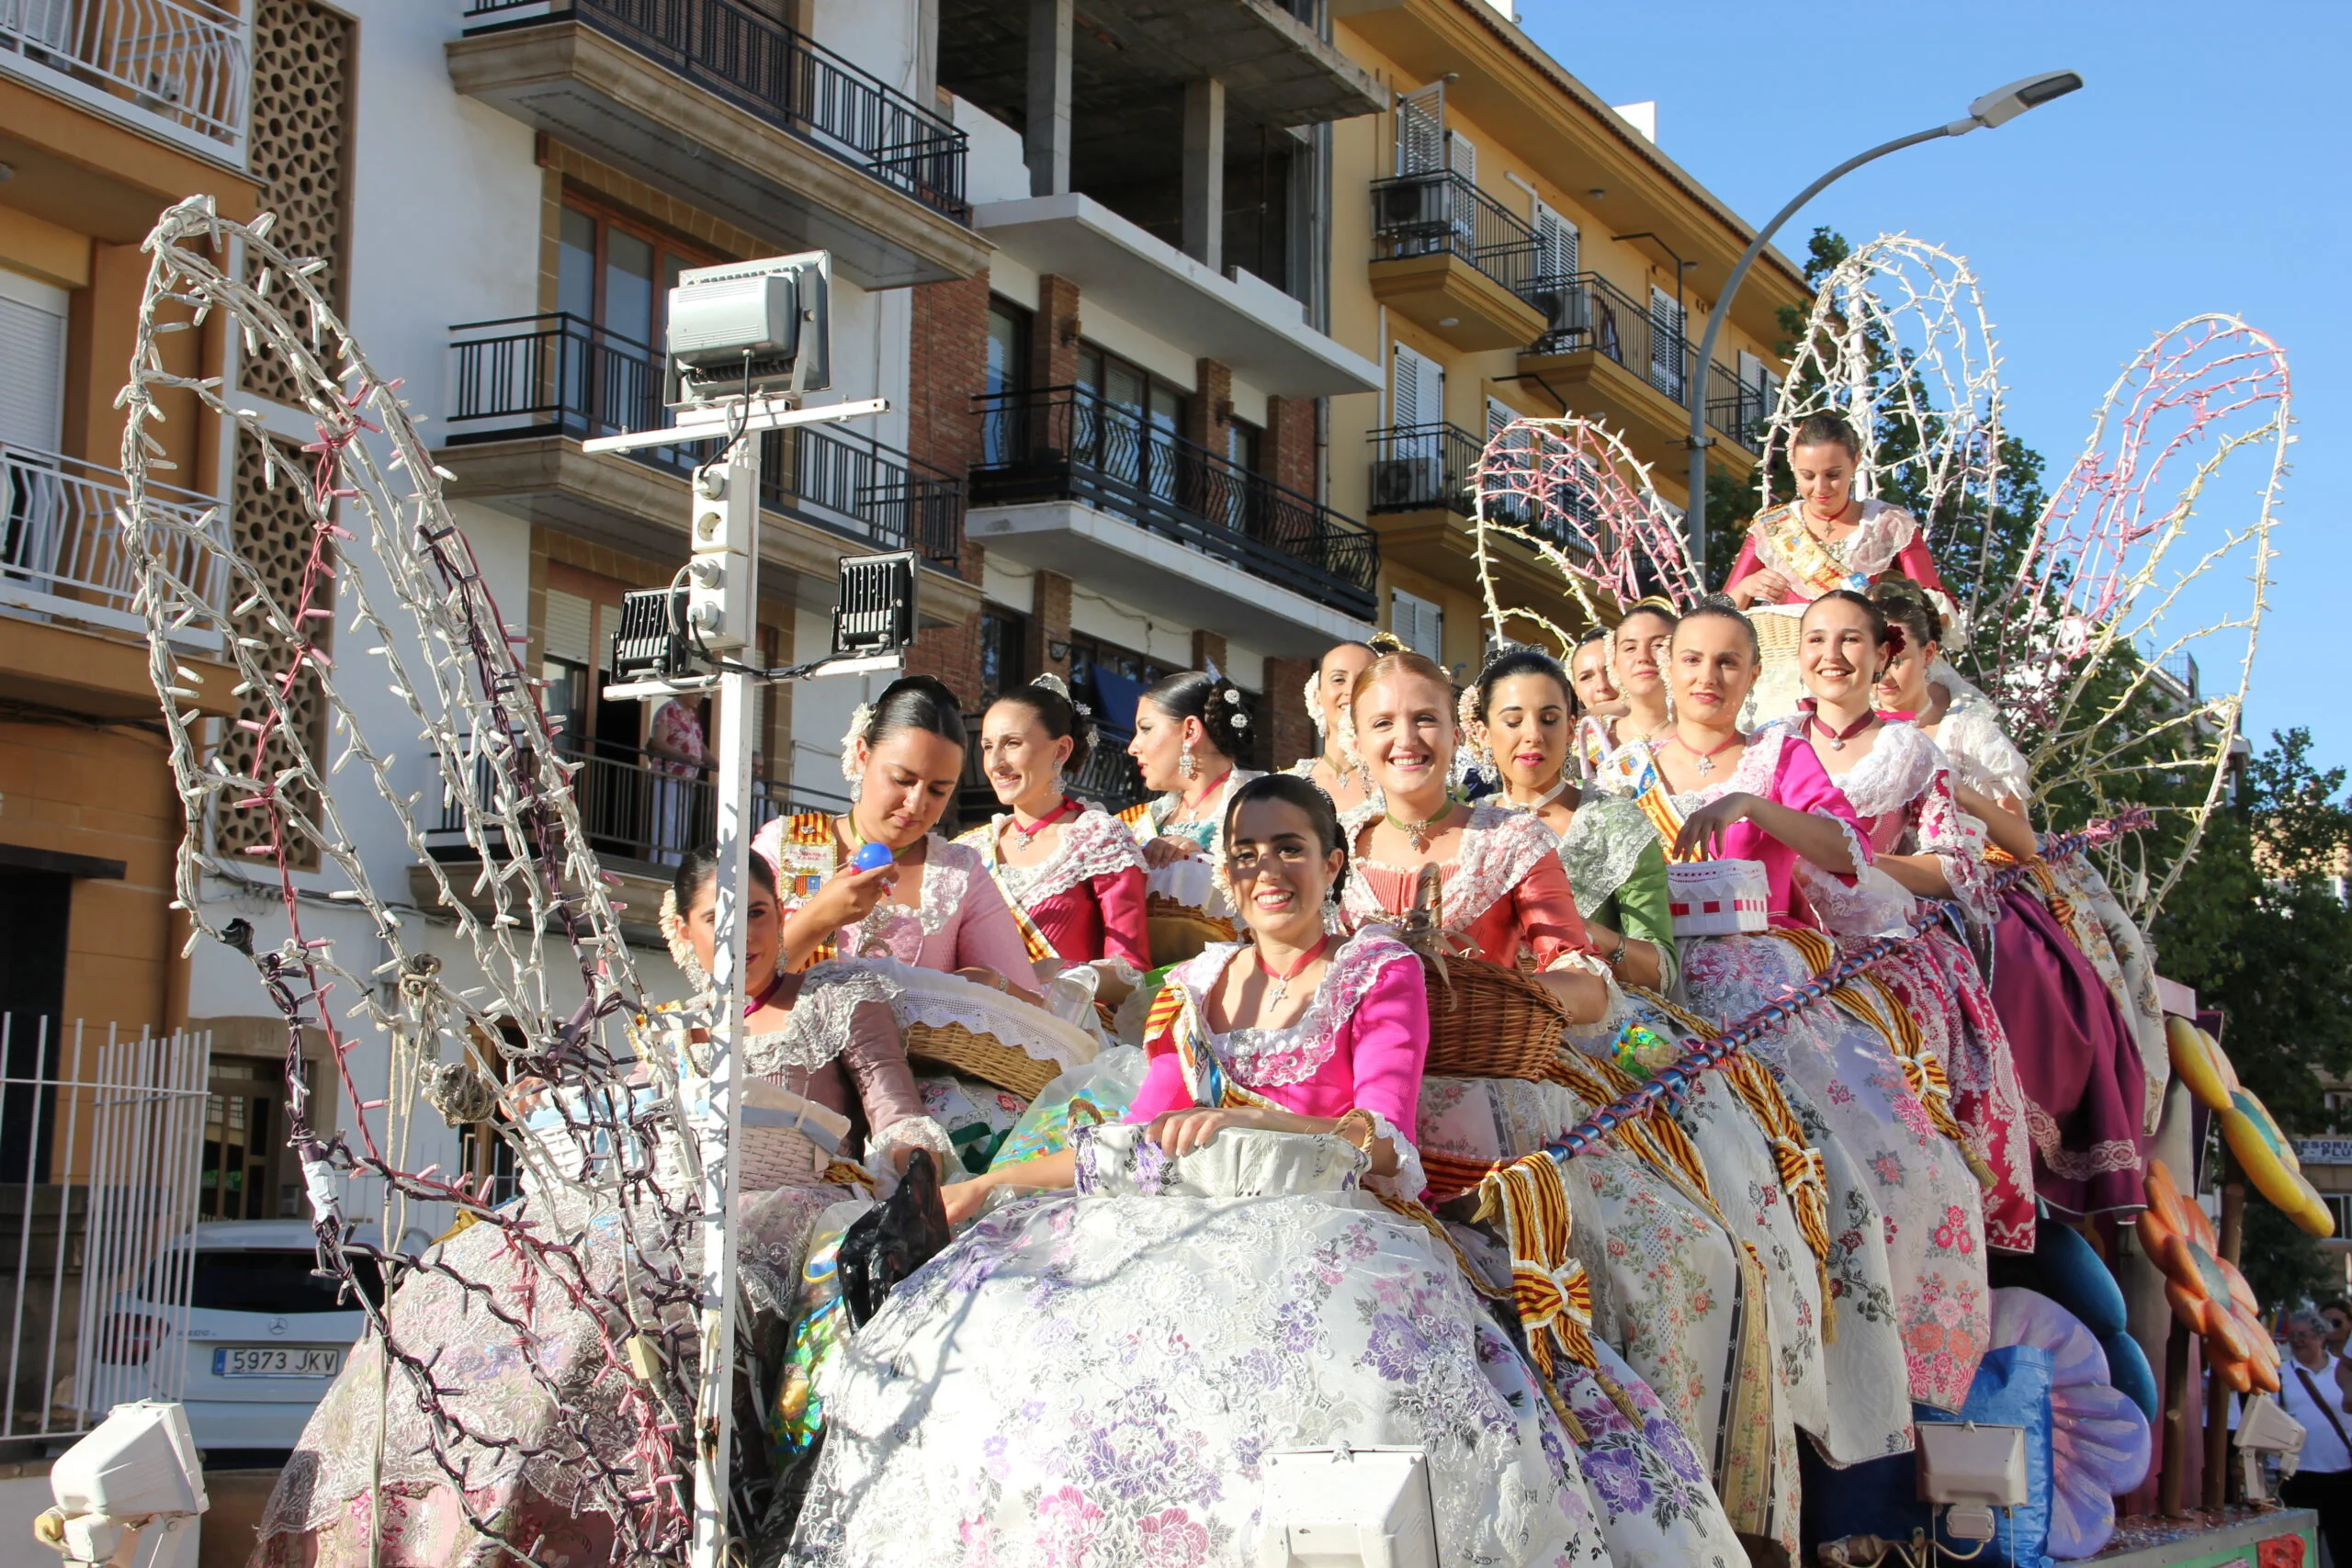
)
(1415, 466)
(556, 373)
(786, 79)
(180, 65)
(1443, 211)
(101, 1143)
(1068, 443)
(60, 538)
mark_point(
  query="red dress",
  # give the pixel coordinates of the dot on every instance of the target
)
(1504, 892)
(1085, 901)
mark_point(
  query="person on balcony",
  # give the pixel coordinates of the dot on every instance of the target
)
(679, 757)
(1336, 770)
(1072, 874)
(1093, 1371)
(1825, 539)
(1189, 729)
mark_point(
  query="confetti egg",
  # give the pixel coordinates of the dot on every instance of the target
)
(871, 857)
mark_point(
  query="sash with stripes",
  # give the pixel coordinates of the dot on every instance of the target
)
(810, 854)
(1806, 558)
(984, 839)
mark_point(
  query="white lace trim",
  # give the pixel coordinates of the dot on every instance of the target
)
(1272, 1058)
(1971, 734)
(918, 1131)
(822, 1015)
(1884, 532)
(1093, 844)
(934, 997)
(1498, 848)
(946, 875)
(1899, 764)
(1409, 1180)
(1873, 904)
(1753, 773)
(1604, 841)
(1916, 781)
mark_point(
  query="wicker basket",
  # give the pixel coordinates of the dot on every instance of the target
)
(1778, 631)
(1179, 932)
(982, 1056)
(1486, 1021)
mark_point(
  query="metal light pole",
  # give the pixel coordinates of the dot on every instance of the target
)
(1996, 107)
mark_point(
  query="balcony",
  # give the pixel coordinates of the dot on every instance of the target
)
(1629, 370)
(723, 106)
(1424, 480)
(72, 633)
(1449, 257)
(1075, 484)
(535, 386)
(175, 69)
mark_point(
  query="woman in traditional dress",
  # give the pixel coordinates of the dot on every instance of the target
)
(1099, 1375)
(1764, 798)
(1336, 770)
(1072, 874)
(1900, 784)
(1502, 891)
(1825, 539)
(530, 1402)
(1608, 744)
(2083, 1071)
(1189, 729)
(1519, 708)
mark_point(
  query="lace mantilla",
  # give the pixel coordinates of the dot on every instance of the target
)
(1604, 841)
(1268, 1058)
(1885, 532)
(1092, 844)
(819, 1028)
(1498, 848)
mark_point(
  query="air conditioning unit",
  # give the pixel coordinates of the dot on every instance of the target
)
(1418, 209)
(1569, 310)
(1407, 481)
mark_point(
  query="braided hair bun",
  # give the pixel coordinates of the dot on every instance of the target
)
(1206, 696)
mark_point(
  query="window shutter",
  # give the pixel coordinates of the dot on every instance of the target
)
(32, 345)
(1666, 343)
(1417, 393)
(570, 632)
(1461, 156)
(1420, 129)
(1417, 623)
(1556, 243)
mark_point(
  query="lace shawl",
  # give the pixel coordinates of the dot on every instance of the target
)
(1498, 848)
(818, 1027)
(1906, 771)
(1885, 532)
(1093, 844)
(1207, 829)
(1971, 734)
(1604, 841)
(1262, 1059)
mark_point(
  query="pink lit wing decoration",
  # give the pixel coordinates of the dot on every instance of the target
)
(2099, 1442)
(1569, 496)
(538, 989)
(2129, 622)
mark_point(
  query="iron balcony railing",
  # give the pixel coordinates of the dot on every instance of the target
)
(1416, 467)
(636, 805)
(1424, 214)
(61, 549)
(1588, 311)
(786, 79)
(1067, 442)
(1738, 410)
(557, 374)
(177, 67)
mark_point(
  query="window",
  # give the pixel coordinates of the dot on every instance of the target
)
(1416, 390)
(1004, 433)
(1244, 443)
(1004, 637)
(1417, 623)
(32, 345)
(613, 282)
(1666, 343)
(1420, 129)
(1128, 422)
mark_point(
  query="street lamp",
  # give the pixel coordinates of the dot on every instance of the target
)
(1998, 107)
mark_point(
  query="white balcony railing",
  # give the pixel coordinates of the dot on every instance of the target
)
(62, 551)
(176, 68)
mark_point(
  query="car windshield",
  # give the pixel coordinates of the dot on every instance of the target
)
(273, 1282)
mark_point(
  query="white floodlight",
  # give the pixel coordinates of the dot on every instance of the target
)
(131, 1491)
(1347, 1507)
(1970, 1470)
(2003, 105)
(755, 326)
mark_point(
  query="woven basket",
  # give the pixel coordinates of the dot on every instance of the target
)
(1179, 932)
(982, 1056)
(1486, 1021)
(1777, 633)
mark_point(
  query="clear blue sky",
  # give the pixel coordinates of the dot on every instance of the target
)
(2206, 165)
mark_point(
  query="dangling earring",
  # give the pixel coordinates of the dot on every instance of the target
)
(1185, 767)
(1060, 788)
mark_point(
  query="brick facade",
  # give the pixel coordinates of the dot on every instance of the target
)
(953, 653)
(1288, 454)
(1207, 645)
(1053, 335)
(947, 365)
(1208, 414)
(1048, 626)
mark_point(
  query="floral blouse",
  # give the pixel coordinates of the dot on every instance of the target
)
(1503, 893)
(1361, 1044)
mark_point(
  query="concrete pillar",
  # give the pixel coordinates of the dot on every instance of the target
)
(1046, 146)
(1205, 172)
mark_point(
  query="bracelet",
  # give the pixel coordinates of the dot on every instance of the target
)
(1361, 1118)
(1618, 957)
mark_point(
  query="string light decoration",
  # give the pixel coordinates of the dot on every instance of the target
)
(606, 1229)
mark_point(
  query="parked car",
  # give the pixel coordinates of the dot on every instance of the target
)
(266, 1335)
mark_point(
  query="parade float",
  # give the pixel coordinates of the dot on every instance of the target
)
(672, 1402)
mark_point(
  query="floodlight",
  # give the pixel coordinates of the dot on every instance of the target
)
(755, 326)
(2003, 105)
(1343, 1507)
(129, 1492)
(876, 610)
(1970, 1470)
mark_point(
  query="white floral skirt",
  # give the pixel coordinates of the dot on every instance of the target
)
(1095, 1377)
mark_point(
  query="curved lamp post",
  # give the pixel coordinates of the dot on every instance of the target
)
(1996, 107)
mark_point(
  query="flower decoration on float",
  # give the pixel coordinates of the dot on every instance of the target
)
(2209, 1296)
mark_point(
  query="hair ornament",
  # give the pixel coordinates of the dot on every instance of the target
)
(861, 723)
(1386, 643)
(1465, 708)
(1896, 639)
(1055, 685)
(1314, 693)
(1233, 696)
(673, 934)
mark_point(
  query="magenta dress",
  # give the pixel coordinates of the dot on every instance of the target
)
(1359, 1046)
(1903, 791)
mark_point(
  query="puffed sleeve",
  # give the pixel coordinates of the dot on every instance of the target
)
(1126, 935)
(1801, 784)
(1163, 1088)
(876, 1059)
(1645, 914)
(1546, 909)
(1747, 562)
(1388, 1045)
(988, 935)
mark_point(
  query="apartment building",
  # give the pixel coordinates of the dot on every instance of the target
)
(1505, 244)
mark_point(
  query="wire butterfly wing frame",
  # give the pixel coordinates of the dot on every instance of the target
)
(409, 587)
(2127, 588)
(1570, 492)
